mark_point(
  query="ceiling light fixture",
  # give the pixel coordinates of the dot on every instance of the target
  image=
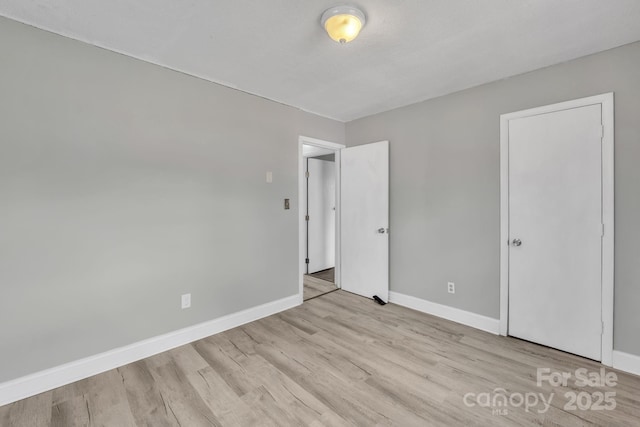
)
(343, 23)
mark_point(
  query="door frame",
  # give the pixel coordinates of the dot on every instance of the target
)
(305, 140)
(606, 102)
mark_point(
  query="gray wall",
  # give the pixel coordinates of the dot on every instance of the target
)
(124, 185)
(445, 188)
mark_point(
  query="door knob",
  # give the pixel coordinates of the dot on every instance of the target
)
(381, 230)
(517, 242)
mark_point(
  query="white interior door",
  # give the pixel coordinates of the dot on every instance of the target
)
(321, 221)
(365, 219)
(555, 229)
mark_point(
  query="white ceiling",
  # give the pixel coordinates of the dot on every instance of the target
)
(409, 50)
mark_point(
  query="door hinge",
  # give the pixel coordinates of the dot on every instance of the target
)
(306, 174)
(602, 231)
(306, 217)
(602, 330)
(306, 261)
(602, 132)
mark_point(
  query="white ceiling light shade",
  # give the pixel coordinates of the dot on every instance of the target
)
(343, 23)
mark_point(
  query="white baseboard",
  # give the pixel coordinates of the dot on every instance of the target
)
(468, 318)
(626, 362)
(58, 376)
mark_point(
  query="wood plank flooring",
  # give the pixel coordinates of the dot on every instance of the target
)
(329, 275)
(336, 360)
(313, 287)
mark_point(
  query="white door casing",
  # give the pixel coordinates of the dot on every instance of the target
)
(321, 202)
(365, 219)
(557, 192)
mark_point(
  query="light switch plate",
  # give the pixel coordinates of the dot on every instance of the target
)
(269, 177)
(186, 301)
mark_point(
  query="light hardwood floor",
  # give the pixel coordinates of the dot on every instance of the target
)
(335, 360)
(313, 287)
(329, 275)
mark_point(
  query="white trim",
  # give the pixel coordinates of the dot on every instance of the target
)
(606, 101)
(457, 315)
(320, 143)
(626, 362)
(58, 376)
(504, 225)
(608, 249)
(305, 140)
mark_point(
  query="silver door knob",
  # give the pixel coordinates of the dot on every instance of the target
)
(381, 230)
(517, 242)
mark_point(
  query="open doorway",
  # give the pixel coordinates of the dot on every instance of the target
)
(319, 205)
(361, 216)
(319, 198)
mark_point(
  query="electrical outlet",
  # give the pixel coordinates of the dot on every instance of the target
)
(269, 177)
(186, 301)
(451, 287)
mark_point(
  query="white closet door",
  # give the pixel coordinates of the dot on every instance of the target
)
(555, 229)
